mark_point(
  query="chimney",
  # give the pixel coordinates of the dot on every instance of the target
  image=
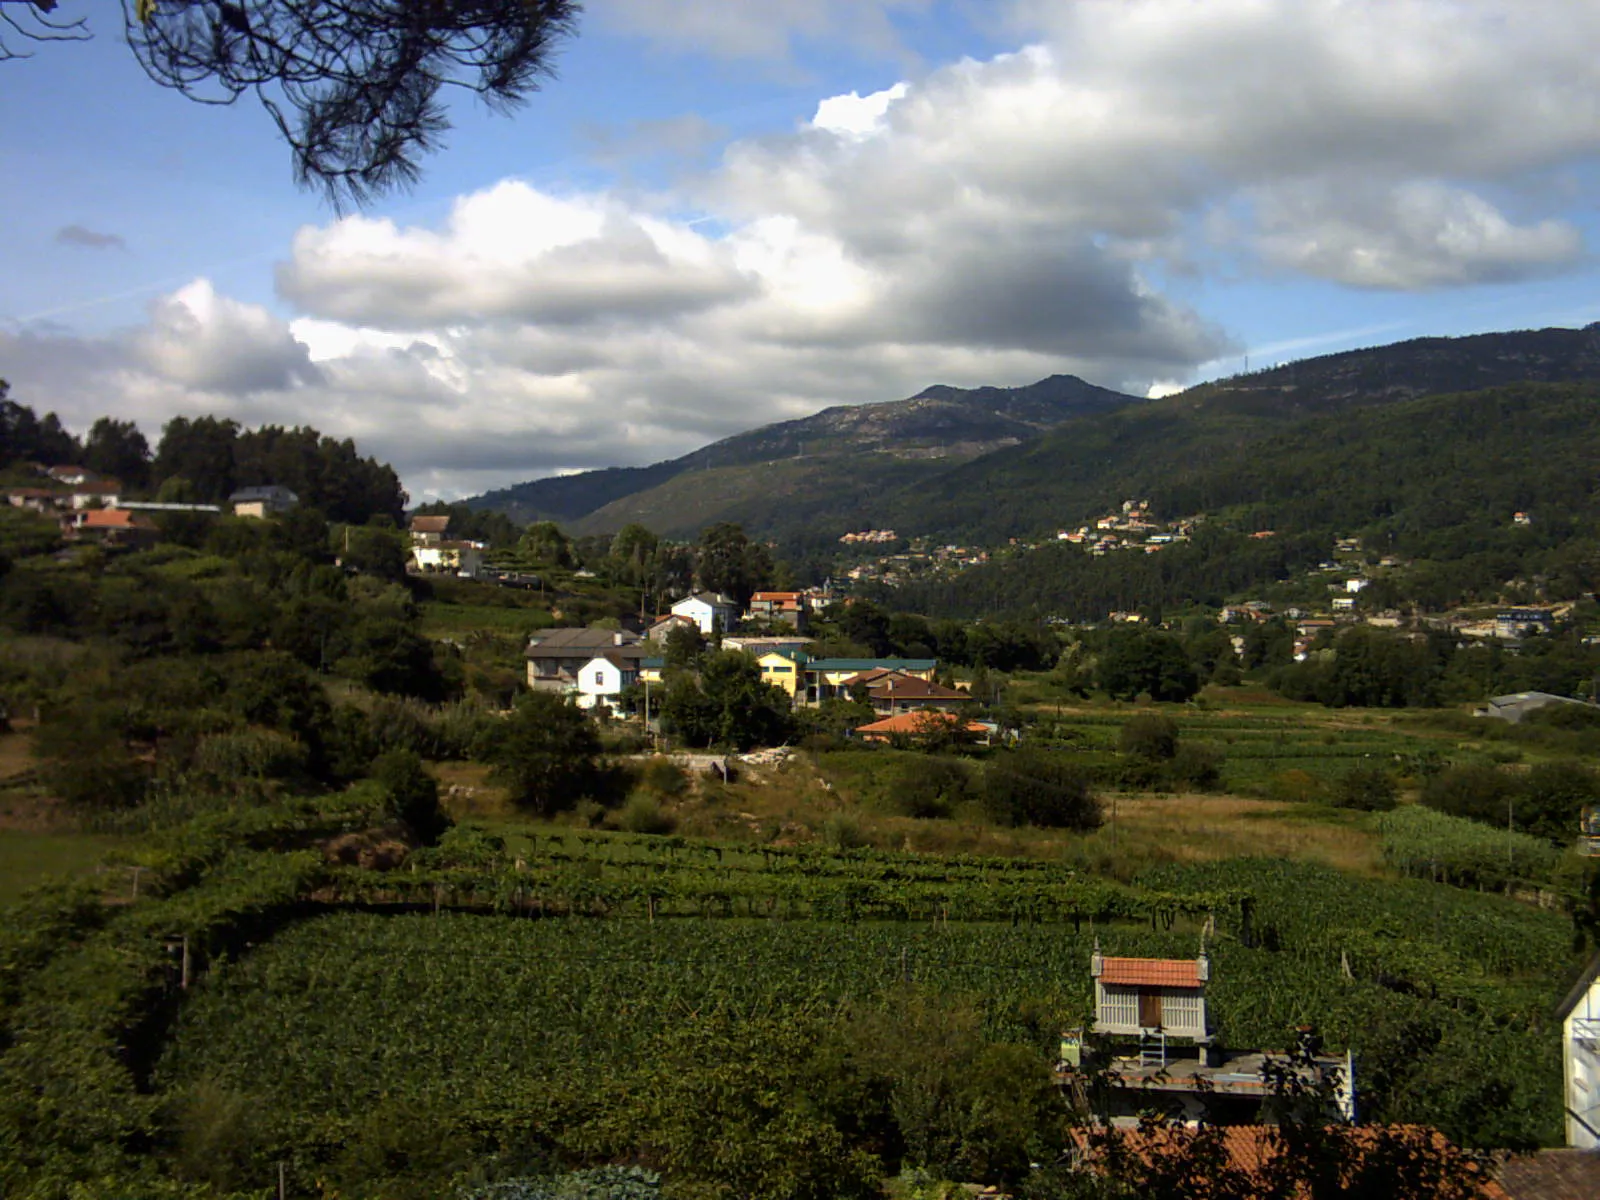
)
(616, 638)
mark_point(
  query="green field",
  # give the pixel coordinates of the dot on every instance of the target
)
(28, 859)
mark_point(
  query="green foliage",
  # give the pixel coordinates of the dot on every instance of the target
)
(411, 794)
(928, 785)
(727, 561)
(1366, 789)
(1432, 845)
(663, 777)
(725, 703)
(1478, 791)
(86, 760)
(1149, 736)
(643, 814)
(546, 754)
(1037, 787)
(1146, 662)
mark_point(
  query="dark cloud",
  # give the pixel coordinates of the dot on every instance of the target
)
(81, 235)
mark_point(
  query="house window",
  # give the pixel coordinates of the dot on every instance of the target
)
(599, 680)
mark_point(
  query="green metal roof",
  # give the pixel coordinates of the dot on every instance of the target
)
(868, 664)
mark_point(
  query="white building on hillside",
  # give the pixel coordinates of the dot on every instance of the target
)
(708, 610)
(1580, 1058)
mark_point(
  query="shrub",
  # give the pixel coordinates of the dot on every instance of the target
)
(663, 777)
(643, 814)
(411, 794)
(1295, 787)
(1474, 790)
(1036, 787)
(923, 786)
(1150, 736)
(1197, 767)
(1367, 789)
(840, 831)
(545, 754)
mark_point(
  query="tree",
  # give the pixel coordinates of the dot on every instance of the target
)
(411, 794)
(354, 86)
(1035, 787)
(725, 703)
(118, 449)
(1368, 789)
(546, 754)
(546, 545)
(1145, 661)
(726, 560)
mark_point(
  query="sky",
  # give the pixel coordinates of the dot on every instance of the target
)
(723, 213)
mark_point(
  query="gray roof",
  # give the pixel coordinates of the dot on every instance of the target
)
(271, 491)
(1516, 705)
(576, 643)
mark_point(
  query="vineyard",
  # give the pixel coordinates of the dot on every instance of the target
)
(522, 1005)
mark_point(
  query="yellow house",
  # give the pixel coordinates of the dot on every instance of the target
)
(784, 669)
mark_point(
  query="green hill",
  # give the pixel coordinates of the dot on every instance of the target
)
(1434, 480)
(834, 463)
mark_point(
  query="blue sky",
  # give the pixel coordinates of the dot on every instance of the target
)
(723, 213)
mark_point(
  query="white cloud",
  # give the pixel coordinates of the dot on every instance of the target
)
(1416, 235)
(856, 116)
(986, 222)
(199, 339)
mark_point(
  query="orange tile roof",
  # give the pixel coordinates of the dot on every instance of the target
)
(114, 518)
(429, 524)
(1151, 972)
(1251, 1149)
(916, 722)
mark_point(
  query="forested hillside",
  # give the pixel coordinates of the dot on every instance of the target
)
(1434, 480)
(834, 463)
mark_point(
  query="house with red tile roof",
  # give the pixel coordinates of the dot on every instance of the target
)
(115, 526)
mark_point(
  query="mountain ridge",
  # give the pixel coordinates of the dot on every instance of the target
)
(941, 423)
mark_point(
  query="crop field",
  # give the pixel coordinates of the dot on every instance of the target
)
(1269, 749)
(464, 1013)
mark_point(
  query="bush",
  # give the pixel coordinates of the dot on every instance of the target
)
(1150, 736)
(923, 786)
(411, 794)
(1036, 787)
(642, 814)
(663, 777)
(840, 831)
(545, 754)
(1366, 789)
(1197, 767)
(1473, 790)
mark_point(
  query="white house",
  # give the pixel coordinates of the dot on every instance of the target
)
(604, 677)
(708, 610)
(1580, 1058)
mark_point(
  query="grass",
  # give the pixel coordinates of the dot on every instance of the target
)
(28, 859)
(445, 620)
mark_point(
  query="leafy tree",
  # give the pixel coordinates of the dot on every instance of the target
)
(1475, 790)
(1035, 787)
(727, 561)
(26, 437)
(682, 646)
(86, 759)
(725, 703)
(199, 451)
(928, 785)
(372, 551)
(1553, 797)
(546, 754)
(411, 794)
(1137, 662)
(118, 449)
(544, 543)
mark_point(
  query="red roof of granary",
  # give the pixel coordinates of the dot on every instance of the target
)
(1151, 972)
(430, 524)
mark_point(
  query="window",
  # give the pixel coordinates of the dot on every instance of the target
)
(599, 680)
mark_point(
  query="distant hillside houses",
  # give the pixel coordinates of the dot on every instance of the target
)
(1133, 528)
(433, 551)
